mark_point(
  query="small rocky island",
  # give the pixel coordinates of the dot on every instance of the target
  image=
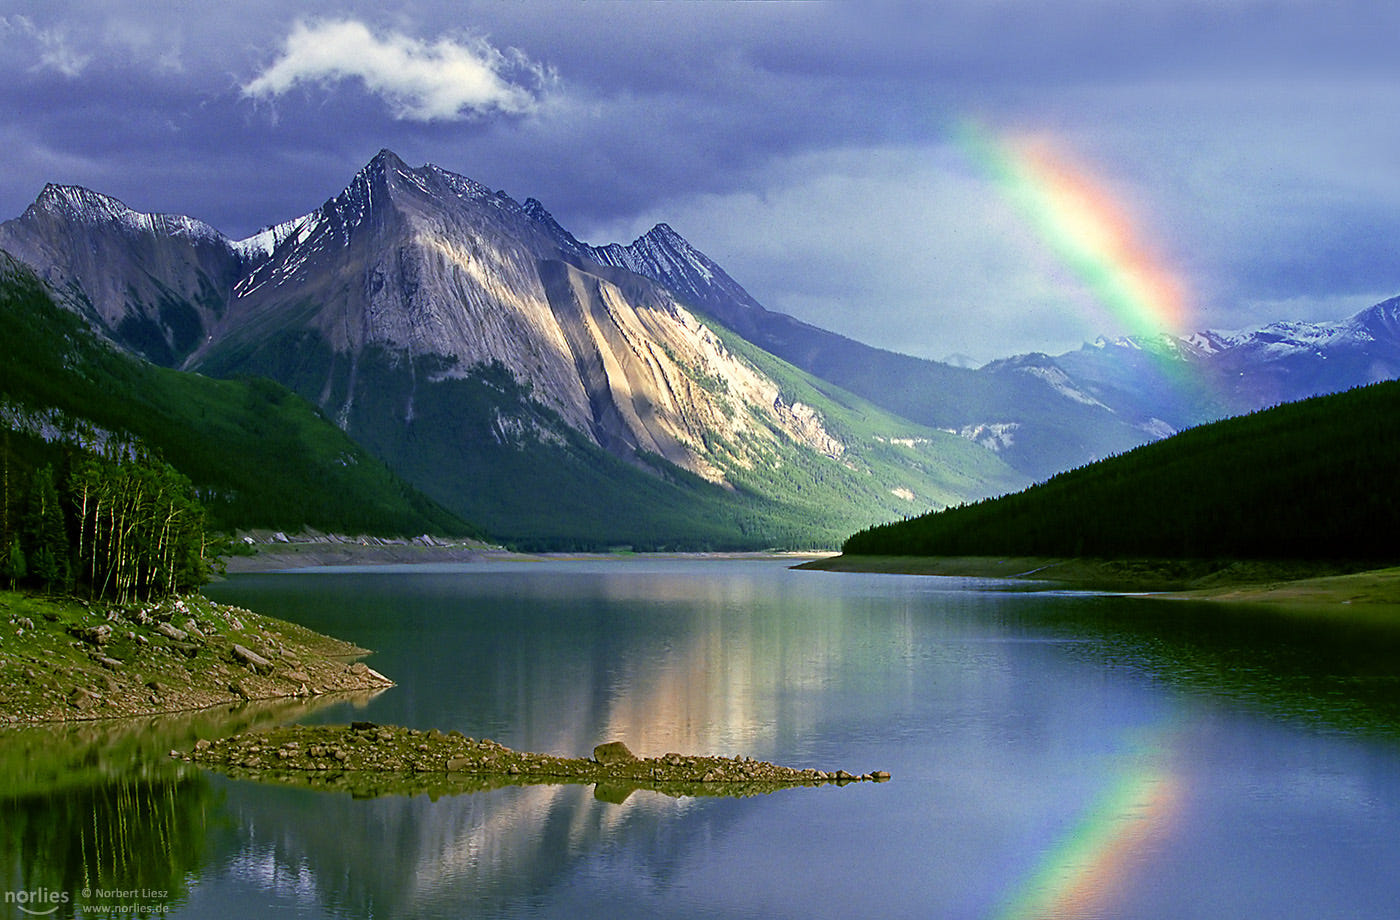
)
(368, 759)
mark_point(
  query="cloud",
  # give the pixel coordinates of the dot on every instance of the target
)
(443, 81)
(55, 49)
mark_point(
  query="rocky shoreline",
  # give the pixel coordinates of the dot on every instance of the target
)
(265, 551)
(68, 660)
(369, 759)
(280, 552)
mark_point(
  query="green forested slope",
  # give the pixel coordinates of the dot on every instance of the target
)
(257, 455)
(1318, 479)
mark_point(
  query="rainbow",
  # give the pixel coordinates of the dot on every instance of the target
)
(1082, 227)
(1088, 869)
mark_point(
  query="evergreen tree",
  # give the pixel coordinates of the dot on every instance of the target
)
(46, 533)
(12, 564)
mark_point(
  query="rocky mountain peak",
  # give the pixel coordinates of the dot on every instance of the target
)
(565, 240)
(1381, 321)
(386, 159)
(82, 206)
(663, 235)
(76, 201)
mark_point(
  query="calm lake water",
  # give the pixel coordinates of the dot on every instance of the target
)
(1053, 755)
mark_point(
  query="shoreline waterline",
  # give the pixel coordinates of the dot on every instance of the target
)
(1294, 586)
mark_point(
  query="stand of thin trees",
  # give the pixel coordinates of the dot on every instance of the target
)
(124, 528)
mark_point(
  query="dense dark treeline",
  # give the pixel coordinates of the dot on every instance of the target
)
(1318, 479)
(123, 527)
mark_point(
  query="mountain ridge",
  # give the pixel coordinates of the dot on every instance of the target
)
(1055, 412)
(462, 337)
(413, 283)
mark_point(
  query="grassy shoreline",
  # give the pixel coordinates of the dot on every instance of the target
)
(1316, 587)
(63, 659)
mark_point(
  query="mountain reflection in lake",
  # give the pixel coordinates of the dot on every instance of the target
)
(1053, 755)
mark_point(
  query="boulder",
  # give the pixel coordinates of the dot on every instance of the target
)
(94, 635)
(171, 632)
(613, 752)
(83, 699)
(251, 659)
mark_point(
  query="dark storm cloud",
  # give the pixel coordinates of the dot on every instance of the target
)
(805, 145)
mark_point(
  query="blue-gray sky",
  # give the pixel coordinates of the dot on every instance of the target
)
(809, 147)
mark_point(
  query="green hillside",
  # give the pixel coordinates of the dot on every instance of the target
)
(483, 447)
(1318, 479)
(257, 455)
(884, 450)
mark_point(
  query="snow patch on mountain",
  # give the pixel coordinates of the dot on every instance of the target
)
(1275, 340)
(1156, 429)
(264, 243)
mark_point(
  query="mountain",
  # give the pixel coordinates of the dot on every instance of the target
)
(563, 393)
(153, 282)
(1311, 480)
(258, 455)
(1230, 373)
(1042, 413)
(541, 387)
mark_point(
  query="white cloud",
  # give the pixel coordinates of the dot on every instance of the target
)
(440, 81)
(56, 51)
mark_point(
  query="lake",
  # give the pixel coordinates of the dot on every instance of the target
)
(1053, 754)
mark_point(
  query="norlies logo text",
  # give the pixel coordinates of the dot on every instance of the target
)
(40, 903)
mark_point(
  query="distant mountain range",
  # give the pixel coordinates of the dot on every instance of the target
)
(561, 394)
(551, 397)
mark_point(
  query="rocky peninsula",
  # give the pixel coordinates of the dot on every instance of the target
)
(368, 759)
